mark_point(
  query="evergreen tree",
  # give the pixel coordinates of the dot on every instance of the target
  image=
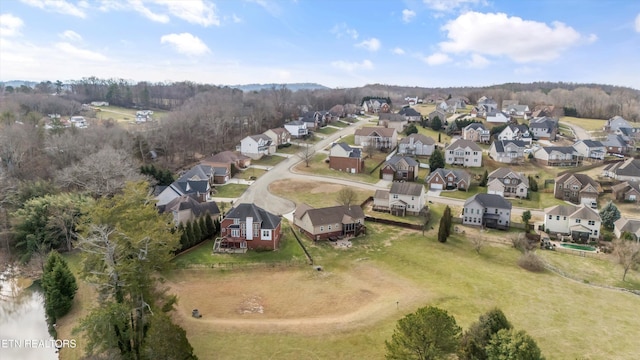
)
(184, 238)
(439, 137)
(442, 230)
(191, 237)
(203, 229)
(475, 340)
(485, 178)
(512, 344)
(609, 215)
(448, 220)
(411, 129)
(211, 228)
(59, 287)
(436, 123)
(533, 184)
(436, 161)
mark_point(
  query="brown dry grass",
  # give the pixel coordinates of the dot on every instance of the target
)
(314, 193)
(302, 300)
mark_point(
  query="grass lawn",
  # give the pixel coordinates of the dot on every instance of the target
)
(122, 114)
(230, 190)
(339, 124)
(248, 173)
(316, 194)
(434, 135)
(464, 195)
(326, 130)
(269, 160)
(585, 123)
(537, 200)
(317, 166)
(349, 139)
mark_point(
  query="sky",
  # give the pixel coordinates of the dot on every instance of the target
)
(336, 43)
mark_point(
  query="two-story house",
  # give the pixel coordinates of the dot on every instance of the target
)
(627, 191)
(297, 129)
(543, 128)
(515, 132)
(498, 117)
(399, 167)
(197, 182)
(247, 226)
(445, 179)
(577, 188)
(329, 222)
(185, 208)
(627, 170)
(521, 111)
(390, 120)
(616, 144)
(343, 157)
(488, 103)
(437, 113)
(507, 151)
(615, 123)
(580, 222)
(464, 153)
(278, 136)
(410, 114)
(257, 146)
(476, 132)
(416, 144)
(404, 198)
(508, 183)
(590, 149)
(489, 210)
(557, 156)
(378, 137)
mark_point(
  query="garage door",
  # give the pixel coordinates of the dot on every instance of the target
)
(436, 186)
(387, 177)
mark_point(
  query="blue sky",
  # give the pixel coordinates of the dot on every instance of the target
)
(337, 43)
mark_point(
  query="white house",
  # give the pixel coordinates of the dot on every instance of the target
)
(498, 117)
(515, 132)
(256, 146)
(416, 144)
(488, 210)
(580, 222)
(507, 183)
(557, 156)
(297, 128)
(463, 152)
(507, 151)
(404, 198)
(590, 149)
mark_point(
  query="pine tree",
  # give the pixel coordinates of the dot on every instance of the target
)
(184, 238)
(442, 230)
(203, 228)
(447, 220)
(436, 161)
(485, 178)
(211, 228)
(59, 287)
(190, 234)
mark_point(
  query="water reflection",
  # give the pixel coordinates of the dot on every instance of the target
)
(23, 328)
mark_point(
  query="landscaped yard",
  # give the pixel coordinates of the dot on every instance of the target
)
(318, 166)
(585, 123)
(269, 160)
(248, 174)
(230, 190)
(326, 130)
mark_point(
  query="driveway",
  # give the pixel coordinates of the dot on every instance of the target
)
(578, 132)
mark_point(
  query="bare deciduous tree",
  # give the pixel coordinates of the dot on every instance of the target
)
(478, 242)
(306, 154)
(627, 254)
(347, 196)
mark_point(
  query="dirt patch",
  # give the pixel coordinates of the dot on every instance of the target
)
(291, 300)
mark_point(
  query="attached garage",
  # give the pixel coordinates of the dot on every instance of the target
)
(435, 186)
(387, 176)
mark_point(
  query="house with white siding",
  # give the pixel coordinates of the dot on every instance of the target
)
(464, 153)
(488, 210)
(580, 222)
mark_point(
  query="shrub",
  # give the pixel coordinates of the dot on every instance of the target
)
(530, 261)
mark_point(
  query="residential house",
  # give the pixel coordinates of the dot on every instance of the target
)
(616, 144)
(378, 137)
(185, 208)
(590, 149)
(577, 188)
(488, 103)
(615, 123)
(228, 159)
(508, 103)
(544, 111)
(404, 198)
(476, 132)
(374, 106)
(329, 222)
(257, 146)
(463, 152)
(498, 117)
(520, 111)
(343, 157)
(197, 182)
(625, 225)
(437, 113)
(416, 144)
(507, 151)
(543, 128)
(297, 129)
(489, 210)
(508, 183)
(399, 167)
(279, 136)
(557, 156)
(481, 111)
(515, 132)
(445, 179)
(452, 105)
(410, 114)
(393, 121)
(628, 170)
(247, 226)
(628, 191)
(580, 222)
(316, 119)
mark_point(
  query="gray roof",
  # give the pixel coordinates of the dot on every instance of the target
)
(500, 144)
(188, 201)
(459, 174)
(396, 158)
(295, 122)
(489, 201)
(584, 179)
(464, 143)
(354, 152)
(407, 111)
(628, 225)
(392, 117)
(475, 126)
(418, 137)
(333, 214)
(614, 140)
(543, 122)
(561, 149)
(406, 188)
(630, 167)
(504, 172)
(591, 143)
(265, 218)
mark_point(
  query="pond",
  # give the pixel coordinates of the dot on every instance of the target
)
(23, 327)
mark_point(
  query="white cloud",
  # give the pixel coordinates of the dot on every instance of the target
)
(185, 43)
(353, 66)
(10, 25)
(342, 30)
(477, 62)
(497, 34)
(70, 35)
(451, 5)
(236, 19)
(408, 15)
(638, 23)
(194, 11)
(78, 53)
(437, 59)
(372, 44)
(271, 7)
(58, 6)
(592, 38)
(398, 51)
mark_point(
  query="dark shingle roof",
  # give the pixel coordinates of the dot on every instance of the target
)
(242, 211)
(406, 188)
(418, 137)
(407, 111)
(334, 214)
(396, 158)
(500, 144)
(490, 200)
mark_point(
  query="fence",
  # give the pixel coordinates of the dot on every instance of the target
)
(306, 253)
(393, 222)
(243, 266)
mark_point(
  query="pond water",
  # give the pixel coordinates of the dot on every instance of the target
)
(23, 328)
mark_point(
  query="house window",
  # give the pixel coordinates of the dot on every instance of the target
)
(395, 196)
(578, 221)
(550, 217)
(558, 217)
(235, 233)
(595, 232)
(564, 218)
(592, 222)
(321, 228)
(413, 198)
(236, 221)
(329, 227)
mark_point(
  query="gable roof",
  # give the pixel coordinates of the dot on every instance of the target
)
(279, 130)
(418, 137)
(392, 117)
(628, 225)
(443, 173)
(590, 143)
(382, 131)
(475, 126)
(489, 200)
(500, 144)
(544, 122)
(615, 141)
(464, 144)
(406, 188)
(189, 202)
(583, 179)
(354, 152)
(407, 111)
(332, 214)
(395, 159)
(630, 167)
(504, 172)
(295, 123)
(242, 211)
(560, 149)
(574, 212)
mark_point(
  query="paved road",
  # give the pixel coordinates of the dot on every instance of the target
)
(578, 132)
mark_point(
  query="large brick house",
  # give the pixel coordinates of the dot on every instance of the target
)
(247, 226)
(577, 188)
(343, 157)
(399, 167)
(443, 179)
(329, 222)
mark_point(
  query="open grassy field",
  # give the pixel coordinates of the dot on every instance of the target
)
(326, 130)
(349, 309)
(317, 166)
(316, 194)
(585, 123)
(122, 114)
